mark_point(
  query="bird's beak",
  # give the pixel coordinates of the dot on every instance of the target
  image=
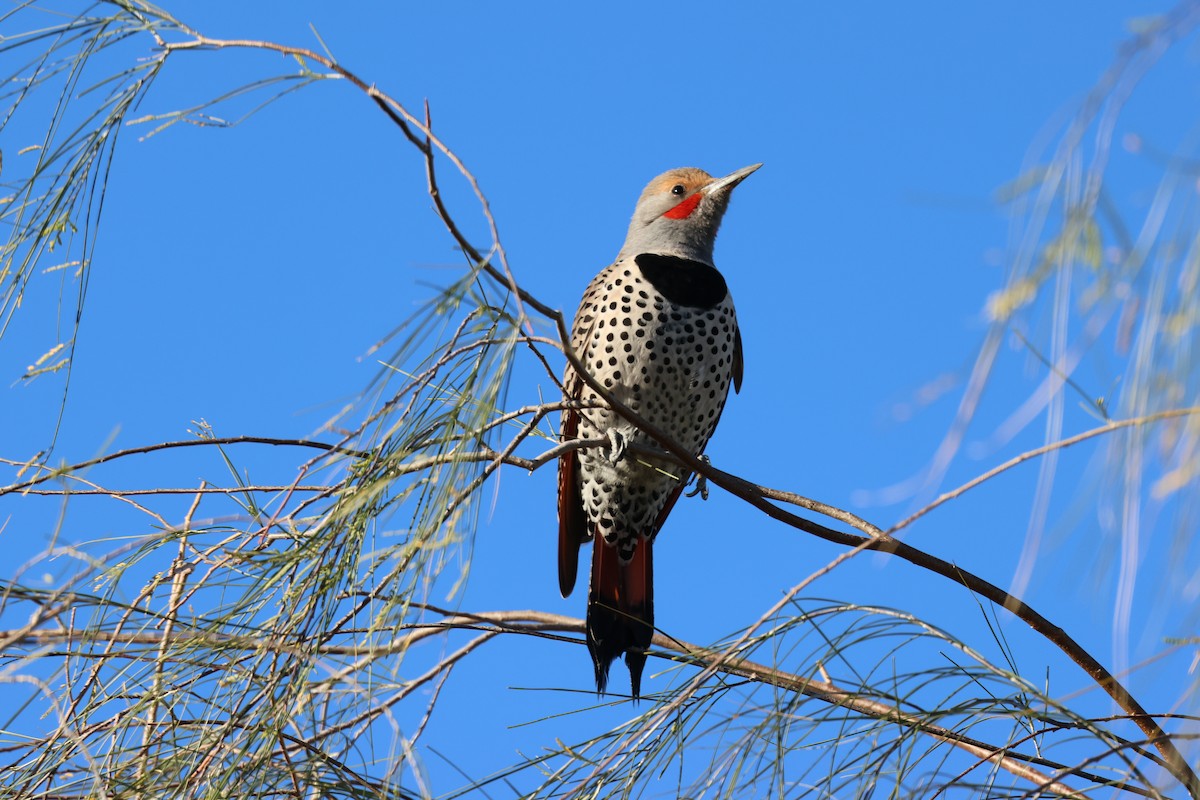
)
(729, 181)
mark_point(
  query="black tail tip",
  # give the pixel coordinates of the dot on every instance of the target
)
(601, 677)
(612, 634)
(636, 661)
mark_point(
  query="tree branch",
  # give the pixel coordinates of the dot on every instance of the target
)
(538, 623)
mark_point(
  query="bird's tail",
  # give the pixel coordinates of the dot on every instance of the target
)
(620, 611)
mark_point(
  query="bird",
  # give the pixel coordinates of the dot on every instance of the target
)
(657, 329)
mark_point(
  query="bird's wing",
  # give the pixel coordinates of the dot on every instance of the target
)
(572, 519)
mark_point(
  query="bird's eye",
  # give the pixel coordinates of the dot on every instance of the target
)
(678, 189)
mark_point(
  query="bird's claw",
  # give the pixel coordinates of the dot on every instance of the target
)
(616, 445)
(701, 482)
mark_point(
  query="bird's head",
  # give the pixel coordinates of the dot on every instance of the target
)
(679, 213)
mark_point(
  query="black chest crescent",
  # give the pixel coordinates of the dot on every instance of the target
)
(683, 282)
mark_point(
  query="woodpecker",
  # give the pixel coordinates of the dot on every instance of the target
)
(657, 330)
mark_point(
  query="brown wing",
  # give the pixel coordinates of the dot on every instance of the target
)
(572, 519)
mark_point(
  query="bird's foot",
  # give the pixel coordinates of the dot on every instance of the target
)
(701, 482)
(616, 445)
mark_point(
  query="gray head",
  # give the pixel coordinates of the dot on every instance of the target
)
(679, 213)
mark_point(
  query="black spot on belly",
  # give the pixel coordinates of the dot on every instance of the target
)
(683, 282)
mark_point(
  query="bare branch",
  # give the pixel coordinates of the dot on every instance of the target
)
(540, 623)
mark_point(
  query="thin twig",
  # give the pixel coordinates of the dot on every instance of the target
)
(1061, 444)
(52, 473)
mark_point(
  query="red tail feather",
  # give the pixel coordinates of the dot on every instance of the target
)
(620, 613)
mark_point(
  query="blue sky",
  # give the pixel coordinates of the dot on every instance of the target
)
(241, 275)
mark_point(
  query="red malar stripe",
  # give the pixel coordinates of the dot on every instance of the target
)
(685, 208)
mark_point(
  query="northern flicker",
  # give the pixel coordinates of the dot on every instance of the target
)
(657, 329)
